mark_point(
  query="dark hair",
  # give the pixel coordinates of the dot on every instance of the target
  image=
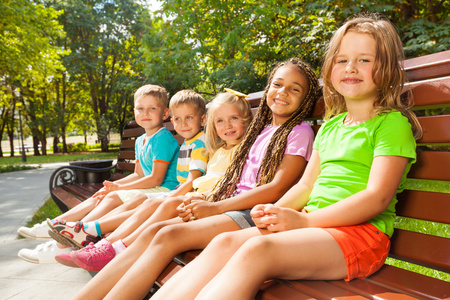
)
(225, 187)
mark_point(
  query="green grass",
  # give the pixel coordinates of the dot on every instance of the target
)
(12, 168)
(48, 210)
(8, 164)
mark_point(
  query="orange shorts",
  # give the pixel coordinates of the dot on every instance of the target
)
(365, 248)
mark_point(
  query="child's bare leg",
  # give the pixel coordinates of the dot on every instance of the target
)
(110, 223)
(140, 215)
(167, 210)
(110, 202)
(131, 204)
(104, 281)
(79, 211)
(168, 242)
(310, 253)
(189, 281)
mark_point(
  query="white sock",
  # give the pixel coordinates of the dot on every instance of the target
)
(119, 246)
(101, 242)
(92, 228)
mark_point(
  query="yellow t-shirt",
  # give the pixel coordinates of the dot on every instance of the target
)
(216, 168)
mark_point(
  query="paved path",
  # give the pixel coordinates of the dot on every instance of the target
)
(21, 194)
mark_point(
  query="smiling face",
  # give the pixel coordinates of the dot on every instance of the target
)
(187, 121)
(287, 90)
(229, 124)
(149, 113)
(351, 74)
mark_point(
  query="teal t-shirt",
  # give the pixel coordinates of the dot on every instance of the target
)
(346, 155)
(161, 147)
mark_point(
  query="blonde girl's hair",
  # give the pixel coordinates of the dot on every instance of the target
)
(156, 91)
(212, 140)
(388, 72)
(226, 186)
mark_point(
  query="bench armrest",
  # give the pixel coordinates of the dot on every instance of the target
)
(67, 175)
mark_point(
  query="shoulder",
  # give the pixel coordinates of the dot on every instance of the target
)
(389, 120)
(303, 127)
(198, 141)
(164, 136)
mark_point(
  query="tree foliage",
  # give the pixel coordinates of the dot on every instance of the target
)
(208, 45)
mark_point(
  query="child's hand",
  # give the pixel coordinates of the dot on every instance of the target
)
(282, 219)
(257, 213)
(183, 213)
(99, 198)
(110, 186)
(100, 192)
(200, 209)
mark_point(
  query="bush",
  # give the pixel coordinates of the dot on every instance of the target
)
(78, 147)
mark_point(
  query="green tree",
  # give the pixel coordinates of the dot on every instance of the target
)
(103, 37)
(27, 51)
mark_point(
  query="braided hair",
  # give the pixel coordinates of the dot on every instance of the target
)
(225, 187)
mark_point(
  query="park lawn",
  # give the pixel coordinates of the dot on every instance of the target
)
(9, 164)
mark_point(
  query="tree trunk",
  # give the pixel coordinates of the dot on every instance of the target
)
(55, 144)
(36, 146)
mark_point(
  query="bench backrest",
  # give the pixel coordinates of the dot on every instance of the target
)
(429, 78)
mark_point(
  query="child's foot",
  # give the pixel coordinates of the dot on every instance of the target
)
(94, 259)
(38, 231)
(43, 253)
(73, 236)
(66, 259)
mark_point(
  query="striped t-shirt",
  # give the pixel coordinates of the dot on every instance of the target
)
(192, 156)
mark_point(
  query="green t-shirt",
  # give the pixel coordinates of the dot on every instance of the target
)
(346, 155)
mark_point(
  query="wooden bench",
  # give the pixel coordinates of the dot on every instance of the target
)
(429, 78)
(67, 185)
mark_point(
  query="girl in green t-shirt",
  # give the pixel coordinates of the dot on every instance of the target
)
(335, 223)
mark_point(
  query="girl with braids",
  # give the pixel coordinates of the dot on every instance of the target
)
(269, 160)
(336, 221)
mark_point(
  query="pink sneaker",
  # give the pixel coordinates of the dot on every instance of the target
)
(66, 259)
(95, 258)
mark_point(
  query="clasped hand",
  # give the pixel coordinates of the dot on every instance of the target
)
(276, 219)
(195, 207)
(108, 187)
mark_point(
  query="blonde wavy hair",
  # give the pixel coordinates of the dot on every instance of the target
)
(212, 139)
(388, 71)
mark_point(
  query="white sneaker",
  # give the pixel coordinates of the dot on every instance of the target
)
(43, 254)
(38, 231)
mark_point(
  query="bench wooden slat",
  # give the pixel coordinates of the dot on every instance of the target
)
(430, 206)
(78, 191)
(421, 249)
(431, 92)
(126, 154)
(436, 129)
(124, 166)
(69, 199)
(319, 289)
(168, 272)
(410, 283)
(133, 132)
(371, 290)
(429, 66)
(431, 165)
(274, 290)
(127, 144)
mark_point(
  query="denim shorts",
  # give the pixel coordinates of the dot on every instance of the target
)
(241, 217)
